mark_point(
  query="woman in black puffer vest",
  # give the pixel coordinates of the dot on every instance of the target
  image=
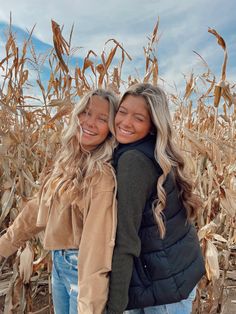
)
(157, 261)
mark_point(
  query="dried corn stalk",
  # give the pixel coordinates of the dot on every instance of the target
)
(30, 129)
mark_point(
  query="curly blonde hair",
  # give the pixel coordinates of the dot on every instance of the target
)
(166, 152)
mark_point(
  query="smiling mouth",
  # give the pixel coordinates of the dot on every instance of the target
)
(125, 132)
(88, 132)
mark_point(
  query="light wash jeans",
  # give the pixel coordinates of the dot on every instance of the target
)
(65, 281)
(182, 307)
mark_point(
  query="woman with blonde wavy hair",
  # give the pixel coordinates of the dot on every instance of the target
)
(157, 260)
(76, 208)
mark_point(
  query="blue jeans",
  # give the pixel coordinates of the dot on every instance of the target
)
(182, 307)
(65, 281)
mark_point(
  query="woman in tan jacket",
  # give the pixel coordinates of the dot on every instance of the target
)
(76, 208)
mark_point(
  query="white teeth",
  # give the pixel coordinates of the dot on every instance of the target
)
(88, 132)
(125, 132)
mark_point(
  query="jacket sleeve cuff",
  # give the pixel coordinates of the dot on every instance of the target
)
(6, 247)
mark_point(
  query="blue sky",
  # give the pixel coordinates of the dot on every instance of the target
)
(183, 28)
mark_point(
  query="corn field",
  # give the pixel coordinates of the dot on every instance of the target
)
(30, 128)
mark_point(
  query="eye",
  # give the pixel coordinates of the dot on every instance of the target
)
(103, 119)
(139, 119)
(121, 111)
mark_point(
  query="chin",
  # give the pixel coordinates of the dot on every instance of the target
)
(124, 141)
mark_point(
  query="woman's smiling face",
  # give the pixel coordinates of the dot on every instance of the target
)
(132, 121)
(94, 123)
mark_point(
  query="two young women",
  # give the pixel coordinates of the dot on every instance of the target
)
(157, 258)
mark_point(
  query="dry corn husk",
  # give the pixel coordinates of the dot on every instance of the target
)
(26, 263)
(212, 264)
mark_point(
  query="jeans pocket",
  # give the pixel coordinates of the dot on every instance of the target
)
(71, 258)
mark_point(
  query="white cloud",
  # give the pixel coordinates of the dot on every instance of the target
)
(183, 28)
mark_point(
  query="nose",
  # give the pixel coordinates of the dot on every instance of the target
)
(126, 121)
(89, 120)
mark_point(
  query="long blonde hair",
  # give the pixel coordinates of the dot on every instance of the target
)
(166, 152)
(74, 167)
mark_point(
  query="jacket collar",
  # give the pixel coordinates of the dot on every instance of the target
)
(146, 145)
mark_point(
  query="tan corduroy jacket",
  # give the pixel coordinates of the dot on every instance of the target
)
(89, 225)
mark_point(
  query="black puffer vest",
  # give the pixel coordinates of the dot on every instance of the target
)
(167, 269)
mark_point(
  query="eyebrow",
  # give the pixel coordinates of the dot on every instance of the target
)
(104, 115)
(122, 107)
(136, 113)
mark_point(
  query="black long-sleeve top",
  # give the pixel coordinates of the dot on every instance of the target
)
(136, 177)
